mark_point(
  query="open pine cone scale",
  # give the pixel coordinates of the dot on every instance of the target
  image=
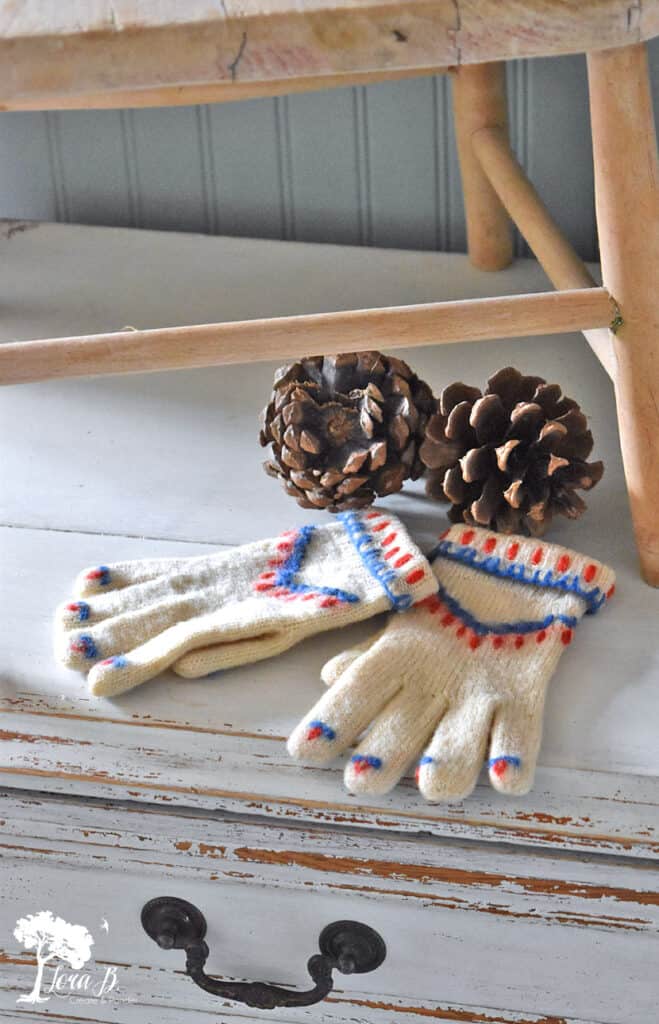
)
(511, 458)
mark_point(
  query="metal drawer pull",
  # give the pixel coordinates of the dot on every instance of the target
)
(346, 946)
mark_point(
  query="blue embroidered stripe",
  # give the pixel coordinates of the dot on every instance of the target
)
(495, 566)
(285, 575)
(373, 560)
(367, 759)
(426, 759)
(500, 628)
(508, 758)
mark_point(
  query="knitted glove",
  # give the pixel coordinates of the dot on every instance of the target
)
(132, 620)
(467, 668)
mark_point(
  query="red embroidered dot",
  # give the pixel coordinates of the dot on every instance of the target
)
(276, 561)
(500, 767)
(512, 550)
(284, 545)
(497, 642)
(563, 563)
(489, 545)
(589, 572)
(445, 534)
(448, 619)
(390, 554)
(267, 575)
(432, 603)
(415, 576)
(467, 537)
(475, 642)
(536, 557)
(461, 630)
(263, 586)
(403, 560)
(309, 597)
(372, 515)
(519, 642)
(328, 602)
(381, 526)
(611, 591)
(72, 607)
(566, 636)
(542, 635)
(389, 539)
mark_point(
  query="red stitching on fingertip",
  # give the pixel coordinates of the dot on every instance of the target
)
(403, 560)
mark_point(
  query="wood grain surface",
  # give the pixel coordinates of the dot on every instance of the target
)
(68, 55)
(474, 934)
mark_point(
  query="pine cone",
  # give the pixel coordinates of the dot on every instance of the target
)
(512, 458)
(345, 428)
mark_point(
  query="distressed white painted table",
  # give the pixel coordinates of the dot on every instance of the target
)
(540, 910)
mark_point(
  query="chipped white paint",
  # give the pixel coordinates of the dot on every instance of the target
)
(466, 926)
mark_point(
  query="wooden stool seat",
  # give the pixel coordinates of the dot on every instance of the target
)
(131, 53)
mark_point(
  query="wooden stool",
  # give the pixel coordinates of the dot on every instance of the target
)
(130, 54)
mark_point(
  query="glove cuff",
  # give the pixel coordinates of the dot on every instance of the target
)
(528, 561)
(390, 556)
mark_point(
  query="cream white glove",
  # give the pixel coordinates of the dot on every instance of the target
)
(132, 620)
(465, 670)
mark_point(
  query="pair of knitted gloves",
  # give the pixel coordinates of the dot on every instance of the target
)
(486, 620)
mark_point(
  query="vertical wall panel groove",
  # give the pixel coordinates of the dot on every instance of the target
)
(62, 211)
(129, 145)
(286, 199)
(360, 101)
(207, 166)
(370, 165)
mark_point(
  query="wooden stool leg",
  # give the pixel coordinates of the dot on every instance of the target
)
(627, 207)
(479, 101)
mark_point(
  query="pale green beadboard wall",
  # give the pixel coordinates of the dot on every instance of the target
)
(372, 165)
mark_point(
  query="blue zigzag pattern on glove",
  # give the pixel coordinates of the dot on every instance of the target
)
(495, 566)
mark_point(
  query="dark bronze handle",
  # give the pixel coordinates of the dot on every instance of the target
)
(346, 946)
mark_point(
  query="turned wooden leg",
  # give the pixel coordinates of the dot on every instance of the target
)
(627, 207)
(479, 101)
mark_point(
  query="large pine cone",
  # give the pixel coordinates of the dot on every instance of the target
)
(512, 458)
(345, 428)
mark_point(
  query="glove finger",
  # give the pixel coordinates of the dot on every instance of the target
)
(393, 743)
(344, 711)
(185, 587)
(515, 742)
(78, 648)
(100, 579)
(205, 661)
(333, 669)
(124, 671)
(451, 764)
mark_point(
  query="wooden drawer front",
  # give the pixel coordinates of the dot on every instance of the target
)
(474, 932)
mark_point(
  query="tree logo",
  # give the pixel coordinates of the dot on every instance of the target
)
(52, 938)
